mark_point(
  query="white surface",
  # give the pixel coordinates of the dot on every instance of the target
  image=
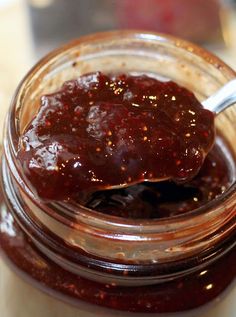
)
(15, 51)
(4, 3)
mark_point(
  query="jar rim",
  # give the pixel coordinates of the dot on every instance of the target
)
(13, 133)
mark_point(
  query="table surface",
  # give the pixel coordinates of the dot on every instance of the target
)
(17, 298)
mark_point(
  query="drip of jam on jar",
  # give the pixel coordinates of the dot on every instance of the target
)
(98, 132)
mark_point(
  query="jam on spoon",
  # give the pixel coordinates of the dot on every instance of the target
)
(101, 132)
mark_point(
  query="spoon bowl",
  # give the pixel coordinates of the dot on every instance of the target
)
(218, 102)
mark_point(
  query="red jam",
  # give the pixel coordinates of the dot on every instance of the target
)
(165, 199)
(92, 134)
(101, 131)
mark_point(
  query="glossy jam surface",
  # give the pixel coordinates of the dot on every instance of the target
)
(166, 199)
(100, 131)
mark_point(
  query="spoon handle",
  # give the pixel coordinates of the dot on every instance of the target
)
(222, 99)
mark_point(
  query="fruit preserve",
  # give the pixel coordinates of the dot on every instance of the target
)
(100, 131)
(128, 242)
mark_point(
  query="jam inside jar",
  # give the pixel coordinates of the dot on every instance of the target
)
(78, 254)
(113, 131)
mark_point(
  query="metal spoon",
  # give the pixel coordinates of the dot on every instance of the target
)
(222, 99)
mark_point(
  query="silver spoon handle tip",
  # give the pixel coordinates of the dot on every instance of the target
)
(222, 99)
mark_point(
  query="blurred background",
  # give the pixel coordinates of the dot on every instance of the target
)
(31, 28)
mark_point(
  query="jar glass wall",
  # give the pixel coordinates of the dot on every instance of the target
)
(80, 255)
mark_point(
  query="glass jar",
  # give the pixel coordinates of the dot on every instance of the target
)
(87, 258)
